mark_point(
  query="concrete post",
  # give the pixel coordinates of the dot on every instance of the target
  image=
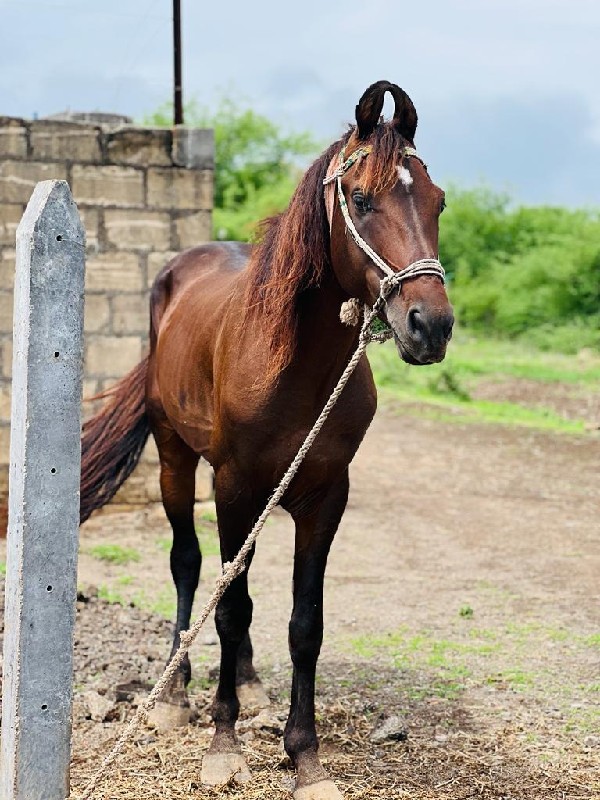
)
(41, 574)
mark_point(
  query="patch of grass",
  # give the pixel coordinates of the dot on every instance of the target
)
(111, 596)
(482, 411)
(592, 641)
(445, 662)
(208, 515)
(114, 554)
(448, 387)
(466, 612)
(2, 567)
(200, 684)
(209, 539)
(162, 602)
(124, 580)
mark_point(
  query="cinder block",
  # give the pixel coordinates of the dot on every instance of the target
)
(90, 218)
(138, 230)
(90, 407)
(204, 481)
(108, 186)
(97, 313)
(65, 141)
(6, 312)
(193, 229)
(4, 402)
(7, 269)
(89, 389)
(10, 216)
(131, 314)
(112, 356)
(156, 261)
(18, 178)
(4, 444)
(193, 148)
(150, 451)
(3, 499)
(180, 188)
(13, 137)
(114, 272)
(142, 487)
(144, 147)
(6, 356)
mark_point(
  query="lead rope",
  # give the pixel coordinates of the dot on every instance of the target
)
(232, 569)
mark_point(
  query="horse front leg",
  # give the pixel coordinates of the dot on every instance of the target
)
(314, 534)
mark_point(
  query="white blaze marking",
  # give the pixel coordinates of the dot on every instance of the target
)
(418, 230)
(405, 176)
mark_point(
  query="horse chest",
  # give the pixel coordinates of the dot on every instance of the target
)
(265, 444)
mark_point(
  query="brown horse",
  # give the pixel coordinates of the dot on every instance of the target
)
(246, 344)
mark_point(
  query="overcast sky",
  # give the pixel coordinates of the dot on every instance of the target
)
(507, 91)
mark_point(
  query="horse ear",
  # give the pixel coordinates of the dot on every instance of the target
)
(405, 114)
(370, 106)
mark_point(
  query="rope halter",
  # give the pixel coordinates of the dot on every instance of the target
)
(350, 311)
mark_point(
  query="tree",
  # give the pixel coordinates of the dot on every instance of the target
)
(257, 165)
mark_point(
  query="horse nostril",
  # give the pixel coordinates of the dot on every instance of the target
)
(447, 328)
(415, 323)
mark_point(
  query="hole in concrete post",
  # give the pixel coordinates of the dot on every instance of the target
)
(53, 470)
(56, 354)
(44, 706)
(49, 588)
(59, 238)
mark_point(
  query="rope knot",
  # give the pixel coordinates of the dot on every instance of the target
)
(350, 312)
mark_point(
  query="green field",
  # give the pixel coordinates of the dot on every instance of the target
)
(449, 390)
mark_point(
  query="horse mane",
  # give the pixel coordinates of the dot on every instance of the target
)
(293, 251)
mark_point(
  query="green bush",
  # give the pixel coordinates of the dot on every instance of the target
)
(523, 272)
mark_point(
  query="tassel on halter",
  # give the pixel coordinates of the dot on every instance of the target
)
(350, 312)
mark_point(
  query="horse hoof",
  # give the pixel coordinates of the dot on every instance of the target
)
(220, 768)
(321, 790)
(168, 716)
(252, 695)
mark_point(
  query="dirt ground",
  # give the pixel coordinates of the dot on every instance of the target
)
(462, 608)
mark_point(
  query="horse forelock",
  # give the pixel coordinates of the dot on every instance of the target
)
(293, 252)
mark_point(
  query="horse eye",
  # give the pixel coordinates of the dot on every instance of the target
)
(361, 202)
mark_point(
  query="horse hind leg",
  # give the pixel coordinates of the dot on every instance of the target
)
(178, 464)
(235, 513)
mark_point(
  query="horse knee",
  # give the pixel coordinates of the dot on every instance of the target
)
(305, 639)
(186, 561)
(233, 618)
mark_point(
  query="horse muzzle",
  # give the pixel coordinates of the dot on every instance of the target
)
(422, 333)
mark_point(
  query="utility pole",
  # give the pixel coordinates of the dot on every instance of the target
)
(177, 83)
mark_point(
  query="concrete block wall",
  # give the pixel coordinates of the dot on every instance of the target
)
(143, 195)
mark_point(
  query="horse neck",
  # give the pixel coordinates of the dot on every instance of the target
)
(323, 343)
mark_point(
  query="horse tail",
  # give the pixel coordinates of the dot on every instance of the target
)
(112, 441)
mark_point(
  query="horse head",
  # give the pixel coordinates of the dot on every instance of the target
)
(379, 191)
